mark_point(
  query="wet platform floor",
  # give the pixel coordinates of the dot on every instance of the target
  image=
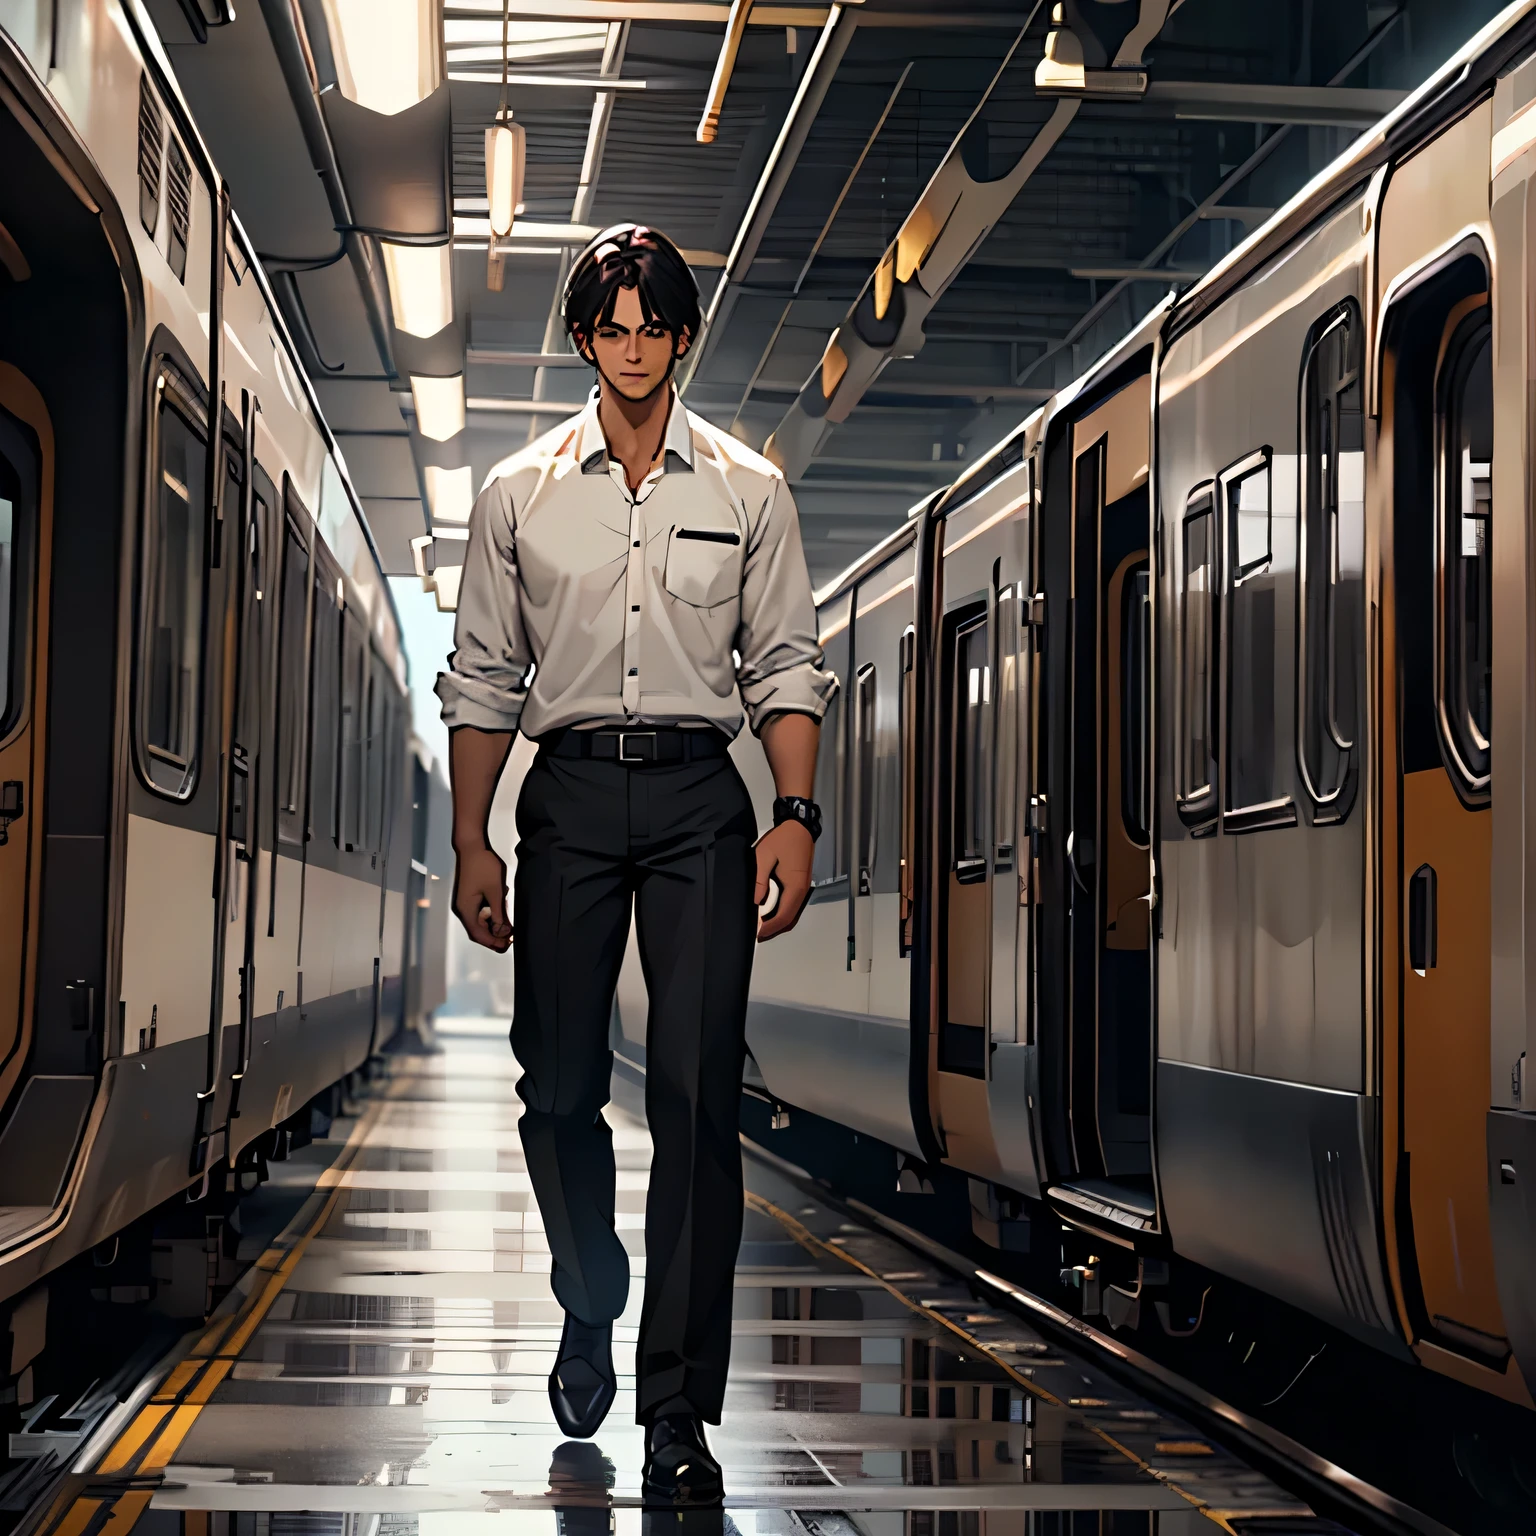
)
(381, 1371)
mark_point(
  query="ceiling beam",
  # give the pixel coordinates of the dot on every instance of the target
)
(831, 45)
(1253, 101)
(1211, 203)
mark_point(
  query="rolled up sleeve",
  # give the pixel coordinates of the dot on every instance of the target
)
(486, 684)
(780, 669)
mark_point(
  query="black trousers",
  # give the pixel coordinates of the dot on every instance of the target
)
(675, 842)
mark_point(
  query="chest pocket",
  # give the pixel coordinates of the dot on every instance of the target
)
(703, 565)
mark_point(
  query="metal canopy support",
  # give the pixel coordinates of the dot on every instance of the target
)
(1210, 206)
(831, 45)
(936, 241)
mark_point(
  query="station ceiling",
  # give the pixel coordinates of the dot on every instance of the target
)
(834, 122)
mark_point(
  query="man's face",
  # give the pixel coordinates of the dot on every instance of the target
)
(634, 355)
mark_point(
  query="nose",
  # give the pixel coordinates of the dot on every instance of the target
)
(632, 350)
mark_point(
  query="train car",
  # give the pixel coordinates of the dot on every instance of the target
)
(206, 783)
(1177, 860)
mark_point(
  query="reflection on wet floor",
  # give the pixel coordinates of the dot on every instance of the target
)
(385, 1372)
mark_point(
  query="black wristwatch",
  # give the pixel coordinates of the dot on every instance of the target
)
(798, 808)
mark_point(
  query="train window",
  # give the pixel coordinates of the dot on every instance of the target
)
(174, 580)
(1253, 797)
(1329, 560)
(377, 754)
(864, 736)
(292, 685)
(325, 694)
(972, 697)
(830, 862)
(354, 696)
(1197, 661)
(1136, 704)
(1465, 608)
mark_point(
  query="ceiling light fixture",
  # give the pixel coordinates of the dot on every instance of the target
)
(439, 406)
(450, 493)
(506, 159)
(386, 51)
(420, 286)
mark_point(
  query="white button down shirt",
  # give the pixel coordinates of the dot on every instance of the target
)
(584, 604)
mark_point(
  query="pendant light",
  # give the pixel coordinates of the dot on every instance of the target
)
(506, 158)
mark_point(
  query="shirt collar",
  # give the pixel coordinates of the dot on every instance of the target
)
(592, 446)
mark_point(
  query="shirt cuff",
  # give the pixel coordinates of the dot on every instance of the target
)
(473, 702)
(797, 690)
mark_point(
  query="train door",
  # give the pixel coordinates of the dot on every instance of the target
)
(26, 489)
(1101, 1033)
(983, 1117)
(1441, 421)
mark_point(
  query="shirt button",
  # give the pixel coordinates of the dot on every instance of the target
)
(634, 671)
(637, 543)
(635, 609)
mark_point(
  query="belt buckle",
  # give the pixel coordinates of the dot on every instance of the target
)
(628, 736)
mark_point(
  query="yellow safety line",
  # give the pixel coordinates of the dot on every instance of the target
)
(815, 1245)
(149, 1442)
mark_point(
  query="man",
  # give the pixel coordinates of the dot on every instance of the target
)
(633, 580)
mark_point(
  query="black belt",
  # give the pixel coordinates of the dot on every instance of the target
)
(666, 744)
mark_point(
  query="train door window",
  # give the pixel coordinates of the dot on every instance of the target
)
(1329, 560)
(830, 862)
(175, 582)
(1253, 797)
(1197, 661)
(864, 767)
(1465, 607)
(292, 685)
(972, 695)
(252, 673)
(907, 767)
(325, 694)
(17, 522)
(378, 752)
(1136, 705)
(354, 692)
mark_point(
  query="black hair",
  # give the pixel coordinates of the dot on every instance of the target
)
(630, 256)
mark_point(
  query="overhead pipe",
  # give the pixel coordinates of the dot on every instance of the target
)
(937, 239)
(297, 64)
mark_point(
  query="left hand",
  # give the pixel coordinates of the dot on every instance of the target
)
(786, 854)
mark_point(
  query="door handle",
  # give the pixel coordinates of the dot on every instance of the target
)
(1423, 919)
(11, 807)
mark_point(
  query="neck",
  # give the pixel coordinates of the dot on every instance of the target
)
(634, 428)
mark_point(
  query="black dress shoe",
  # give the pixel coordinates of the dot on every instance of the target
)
(582, 1384)
(680, 1472)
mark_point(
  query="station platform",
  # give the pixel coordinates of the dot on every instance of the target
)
(381, 1370)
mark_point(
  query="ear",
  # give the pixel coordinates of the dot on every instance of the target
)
(583, 345)
(683, 342)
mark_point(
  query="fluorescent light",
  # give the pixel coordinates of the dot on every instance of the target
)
(556, 36)
(506, 154)
(420, 286)
(386, 51)
(439, 405)
(450, 493)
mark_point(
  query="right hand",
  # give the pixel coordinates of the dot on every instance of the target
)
(480, 898)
